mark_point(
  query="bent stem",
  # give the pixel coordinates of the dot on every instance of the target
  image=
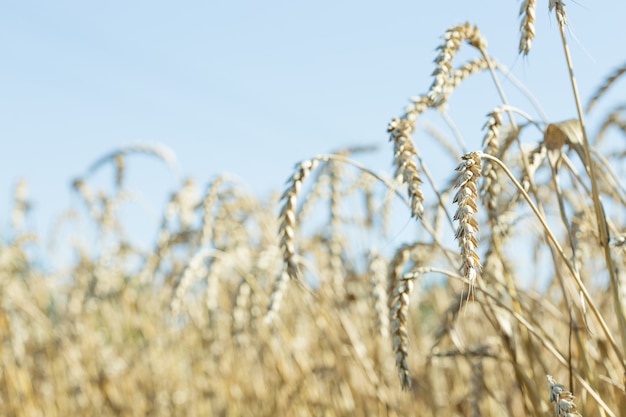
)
(603, 231)
(557, 246)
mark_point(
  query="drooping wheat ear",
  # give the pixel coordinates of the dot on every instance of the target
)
(286, 230)
(527, 26)
(563, 400)
(161, 152)
(398, 317)
(286, 233)
(404, 158)
(490, 187)
(466, 198)
(378, 291)
(452, 42)
(605, 86)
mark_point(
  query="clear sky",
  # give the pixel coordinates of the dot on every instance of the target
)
(252, 87)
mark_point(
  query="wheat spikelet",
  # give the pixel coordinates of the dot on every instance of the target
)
(527, 26)
(563, 400)
(466, 197)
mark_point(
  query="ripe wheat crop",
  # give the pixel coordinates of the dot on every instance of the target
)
(508, 300)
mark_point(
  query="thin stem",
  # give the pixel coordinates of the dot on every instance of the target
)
(557, 246)
(597, 203)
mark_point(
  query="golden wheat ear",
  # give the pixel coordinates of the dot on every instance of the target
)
(467, 230)
(286, 233)
(527, 25)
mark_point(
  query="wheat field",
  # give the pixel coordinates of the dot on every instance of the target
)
(507, 300)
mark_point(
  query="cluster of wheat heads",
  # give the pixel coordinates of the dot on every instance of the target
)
(515, 273)
(548, 200)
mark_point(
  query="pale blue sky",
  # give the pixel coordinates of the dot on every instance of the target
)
(251, 87)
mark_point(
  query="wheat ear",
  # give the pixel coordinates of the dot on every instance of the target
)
(286, 232)
(527, 26)
(490, 187)
(404, 156)
(398, 317)
(466, 197)
(563, 400)
(453, 38)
